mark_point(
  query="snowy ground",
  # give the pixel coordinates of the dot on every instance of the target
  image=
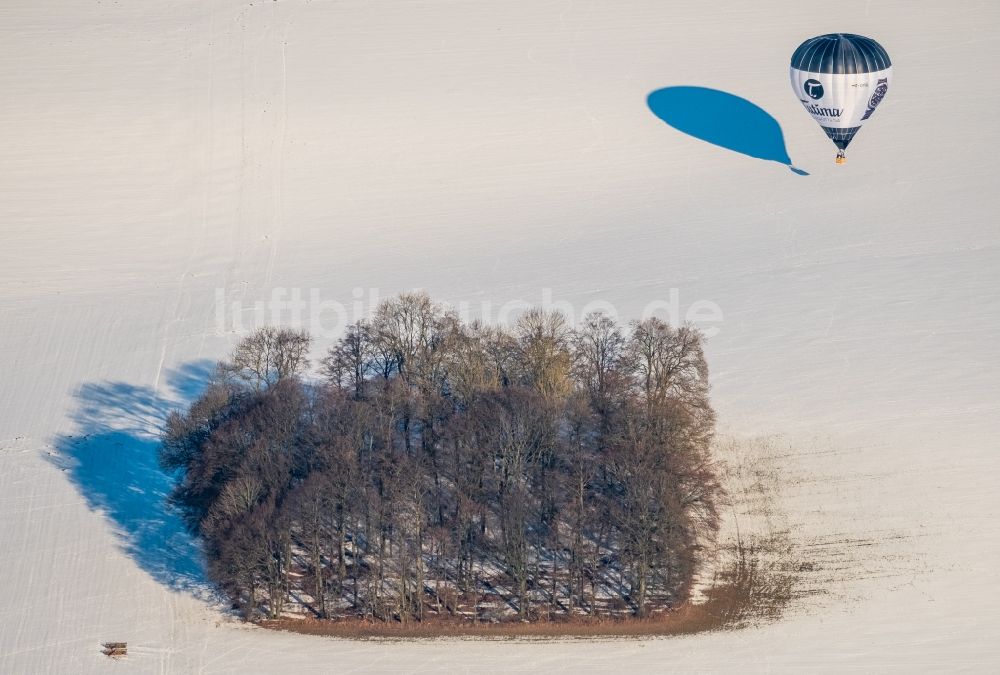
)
(158, 154)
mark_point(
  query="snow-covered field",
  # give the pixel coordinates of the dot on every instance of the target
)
(159, 156)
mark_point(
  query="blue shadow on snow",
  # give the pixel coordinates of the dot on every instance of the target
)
(724, 120)
(112, 461)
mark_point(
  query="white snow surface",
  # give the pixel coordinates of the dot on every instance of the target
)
(155, 152)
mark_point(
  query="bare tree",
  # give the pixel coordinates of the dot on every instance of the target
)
(672, 372)
(266, 356)
(352, 359)
(544, 355)
(599, 351)
(414, 330)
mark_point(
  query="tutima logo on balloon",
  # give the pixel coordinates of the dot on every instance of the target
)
(813, 89)
(823, 112)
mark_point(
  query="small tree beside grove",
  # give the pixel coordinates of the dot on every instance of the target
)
(452, 469)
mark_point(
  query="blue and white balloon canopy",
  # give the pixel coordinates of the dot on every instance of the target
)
(840, 79)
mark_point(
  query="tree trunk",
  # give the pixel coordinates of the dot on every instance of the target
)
(318, 572)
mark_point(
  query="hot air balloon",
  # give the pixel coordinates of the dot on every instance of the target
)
(840, 79)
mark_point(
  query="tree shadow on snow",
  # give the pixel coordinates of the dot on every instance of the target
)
(724, 120)
(112, 461)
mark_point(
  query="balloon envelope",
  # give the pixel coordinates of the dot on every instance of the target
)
(840, 79)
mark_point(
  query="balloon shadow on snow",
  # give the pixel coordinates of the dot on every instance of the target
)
(724, 120)
(112, 460)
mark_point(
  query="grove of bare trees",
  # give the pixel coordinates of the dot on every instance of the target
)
(454, 470)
